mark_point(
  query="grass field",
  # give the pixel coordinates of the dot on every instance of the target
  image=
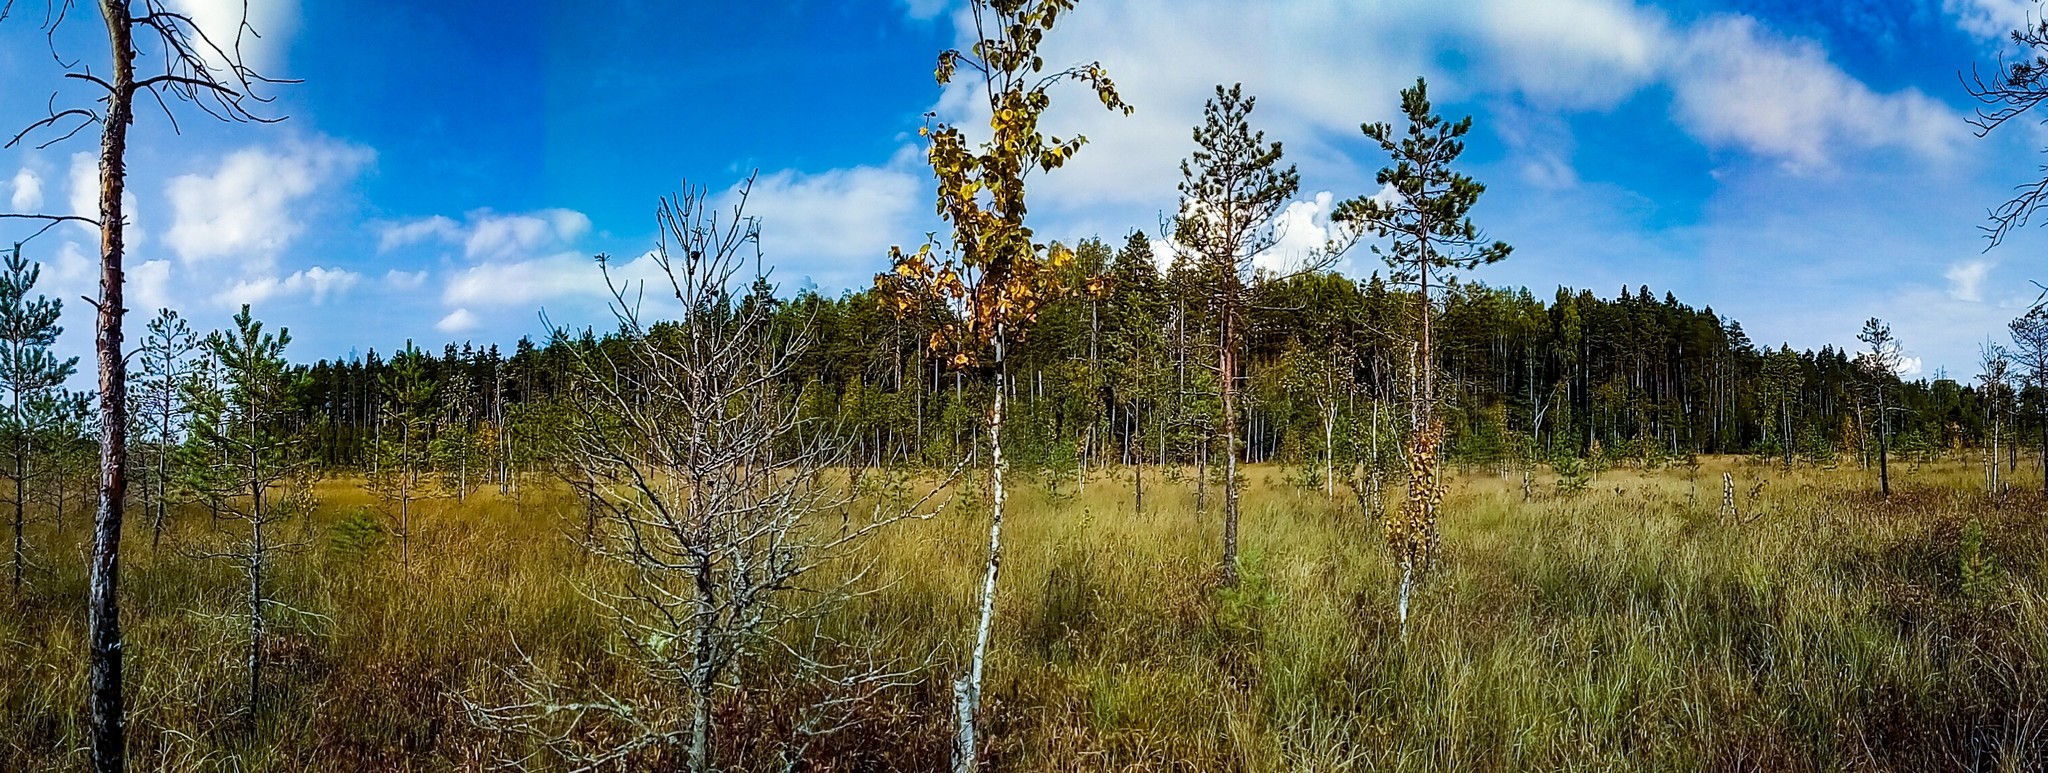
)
(1628, 626)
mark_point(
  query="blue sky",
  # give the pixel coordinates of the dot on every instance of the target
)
(448, 168)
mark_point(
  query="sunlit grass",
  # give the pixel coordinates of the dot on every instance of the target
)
(1629, 626)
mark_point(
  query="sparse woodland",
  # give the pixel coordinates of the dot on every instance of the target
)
(1032, 501)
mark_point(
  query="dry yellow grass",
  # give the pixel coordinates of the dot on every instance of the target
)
(1629, 626)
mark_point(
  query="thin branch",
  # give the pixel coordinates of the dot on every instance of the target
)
(90, 119)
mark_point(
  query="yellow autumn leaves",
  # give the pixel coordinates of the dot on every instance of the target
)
(995, 279)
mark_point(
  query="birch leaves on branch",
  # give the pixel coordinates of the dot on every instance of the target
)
(994, 279)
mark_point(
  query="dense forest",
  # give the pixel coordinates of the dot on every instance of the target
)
(1124, 375)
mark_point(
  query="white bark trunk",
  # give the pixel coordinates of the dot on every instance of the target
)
(967, 691)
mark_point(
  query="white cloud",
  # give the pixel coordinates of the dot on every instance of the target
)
(1317, 68)
(150, 282)
(562, 276)
(1540, 144)
(70, 274)
(404, 280)
(500, 236)
(1321, 67)
(391, 236)
(820, 224)
(1910, 367)
(271, 24)
(1738, 84)
(457, 321)
(511, 262)
(1303, 232)
(924, 10)
(85, 187)
(1966, 280)
(251, 207)
(523, 282)
(27, 196)
(317, 284)
(1575, 53)
(1991, 19)
(488, 235)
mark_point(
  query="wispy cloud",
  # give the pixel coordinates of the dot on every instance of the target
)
(27, 191)
(253, 206)
(1966, 280)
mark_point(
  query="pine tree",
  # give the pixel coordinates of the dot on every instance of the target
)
(160, 407)
(242, 418)
(1232, 192)
(31, 376)
(1882, 363)
(405, 456)
(1428, 231)
(1135, 348)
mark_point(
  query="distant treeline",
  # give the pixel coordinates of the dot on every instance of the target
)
(1123, 372)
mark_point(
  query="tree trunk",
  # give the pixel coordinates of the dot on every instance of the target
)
(967, 690)
(20, 493)
(1884, 472)
(1330, 452)
(103, 621)
(255, 567)
(405, 473)
(1226, 378)
(163, 477)
(702, 678)
(1137, 464)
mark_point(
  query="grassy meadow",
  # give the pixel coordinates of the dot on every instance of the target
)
(1627, 626)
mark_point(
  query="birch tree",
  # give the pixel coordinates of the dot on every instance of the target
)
(1995, 385)
(993, 277)
(1428, 231)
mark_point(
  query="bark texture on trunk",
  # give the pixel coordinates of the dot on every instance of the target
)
(967, 689)
(107, 711)
(1227, 381)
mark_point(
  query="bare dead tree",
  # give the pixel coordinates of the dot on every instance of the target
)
(1995, 377)
(719, 502)
(2030, 351)
(2015, 87)
(179, 62)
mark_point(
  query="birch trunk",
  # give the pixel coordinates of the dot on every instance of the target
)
(967, 690)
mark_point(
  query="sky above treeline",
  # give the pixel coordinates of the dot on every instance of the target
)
(446, 170)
